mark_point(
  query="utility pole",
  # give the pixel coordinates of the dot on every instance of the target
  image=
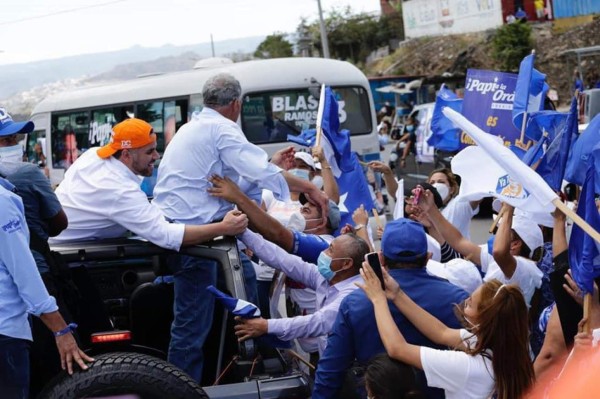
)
(324, 42)
(212, 45)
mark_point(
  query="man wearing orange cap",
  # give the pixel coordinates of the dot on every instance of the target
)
(102, 198)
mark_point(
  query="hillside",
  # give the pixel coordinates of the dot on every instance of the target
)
(454, 54)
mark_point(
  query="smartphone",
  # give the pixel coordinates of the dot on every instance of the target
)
(373, 261)
(418, 192)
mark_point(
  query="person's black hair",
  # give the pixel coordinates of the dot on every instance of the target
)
(387, 378)
(357, 250)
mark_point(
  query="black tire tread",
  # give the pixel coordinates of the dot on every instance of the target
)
(119, 372)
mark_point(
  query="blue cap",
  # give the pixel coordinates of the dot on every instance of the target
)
(9, 127)
(404, 240)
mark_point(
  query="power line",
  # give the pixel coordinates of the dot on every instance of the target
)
(60, 12)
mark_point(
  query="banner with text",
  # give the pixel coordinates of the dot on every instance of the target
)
(488, 104)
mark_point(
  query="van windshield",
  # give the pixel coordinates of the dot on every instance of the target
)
(268, 117)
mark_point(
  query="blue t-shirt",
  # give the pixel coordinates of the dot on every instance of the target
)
(39, 200)
(355, 335)
(308, 246)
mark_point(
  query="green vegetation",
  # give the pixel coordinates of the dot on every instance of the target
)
(274, 46)
(510, 44)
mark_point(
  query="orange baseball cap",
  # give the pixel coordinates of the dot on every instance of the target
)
(131, 133)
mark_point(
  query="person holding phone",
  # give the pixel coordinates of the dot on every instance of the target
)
(353, 338)
(492, 356)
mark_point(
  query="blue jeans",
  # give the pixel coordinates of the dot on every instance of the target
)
(14, 367)
(193, 308)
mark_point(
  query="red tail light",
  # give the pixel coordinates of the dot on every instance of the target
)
(111, 336)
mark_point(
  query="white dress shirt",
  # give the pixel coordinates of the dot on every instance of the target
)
(211, 144)
(103, 199)
(328, 297)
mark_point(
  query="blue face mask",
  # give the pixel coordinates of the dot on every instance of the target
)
(300, 173)
(410, 128)
(324, 266)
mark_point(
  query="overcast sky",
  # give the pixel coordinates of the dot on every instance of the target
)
(41, 29)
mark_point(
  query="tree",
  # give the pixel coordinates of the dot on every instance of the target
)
(274, 46)
(510, 44)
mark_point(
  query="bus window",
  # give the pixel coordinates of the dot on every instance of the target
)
(269, 117)
(165, 117)
(102, 122)
(69, 137)
(36, 143)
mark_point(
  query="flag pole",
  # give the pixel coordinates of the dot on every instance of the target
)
(576, 219)
(320, 111)
(524, 123)
(497, 220)
(587, 313)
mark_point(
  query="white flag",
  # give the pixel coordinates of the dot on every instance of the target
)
(494, 169)
(399, 207)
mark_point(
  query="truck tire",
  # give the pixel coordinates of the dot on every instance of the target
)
(119, 373)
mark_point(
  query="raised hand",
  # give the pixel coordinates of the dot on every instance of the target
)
(284, 158)
(224, 187)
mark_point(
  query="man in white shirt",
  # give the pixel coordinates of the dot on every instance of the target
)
(102, 198)
(332, 279)
(212, 143)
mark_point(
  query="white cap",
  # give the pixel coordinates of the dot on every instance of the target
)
(529, 231)
(318, 165)
(306, 158)
(460, 272)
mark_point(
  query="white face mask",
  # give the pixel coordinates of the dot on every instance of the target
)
(14, 153)
(442, 189)
(318, 181)
(297, 222)
(301, 173)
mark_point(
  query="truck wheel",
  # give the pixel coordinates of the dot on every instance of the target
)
(135, 374)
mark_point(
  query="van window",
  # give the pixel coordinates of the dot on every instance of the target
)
(268, 117)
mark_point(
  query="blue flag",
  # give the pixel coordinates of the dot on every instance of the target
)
(554, 162)
(584, 256)
(530, 91)
(238, 307)
(338, 153)
(354, 191)
(580, 157)
(550, 122)
(445, 136)
(306, 138)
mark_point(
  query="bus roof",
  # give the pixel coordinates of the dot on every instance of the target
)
(253, 76)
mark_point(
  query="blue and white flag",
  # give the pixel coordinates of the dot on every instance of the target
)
(354, 191)
(550, 122)
(530, 91)
(584, 256)
(491, 169)
(580, 157)
(236, 306)
(335, 142)
(554, 162)
(306, 138)
(446, 136)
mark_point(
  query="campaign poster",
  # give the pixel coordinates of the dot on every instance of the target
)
(488, 103)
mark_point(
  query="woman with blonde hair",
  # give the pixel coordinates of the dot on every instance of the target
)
(491, 356)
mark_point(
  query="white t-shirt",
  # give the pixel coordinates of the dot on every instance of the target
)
(459, 214)
(527, 275)
(460, 375)
(282, 211)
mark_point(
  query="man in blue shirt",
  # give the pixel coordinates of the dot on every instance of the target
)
(355, 335)
(21, 293)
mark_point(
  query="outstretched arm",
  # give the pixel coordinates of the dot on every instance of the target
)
(388, 177)
(453, 237)
(501, 251)
(234, 223)
(394, 342)
(330, 185)
(259, 220)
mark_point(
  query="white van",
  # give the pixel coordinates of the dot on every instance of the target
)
(279, 97)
